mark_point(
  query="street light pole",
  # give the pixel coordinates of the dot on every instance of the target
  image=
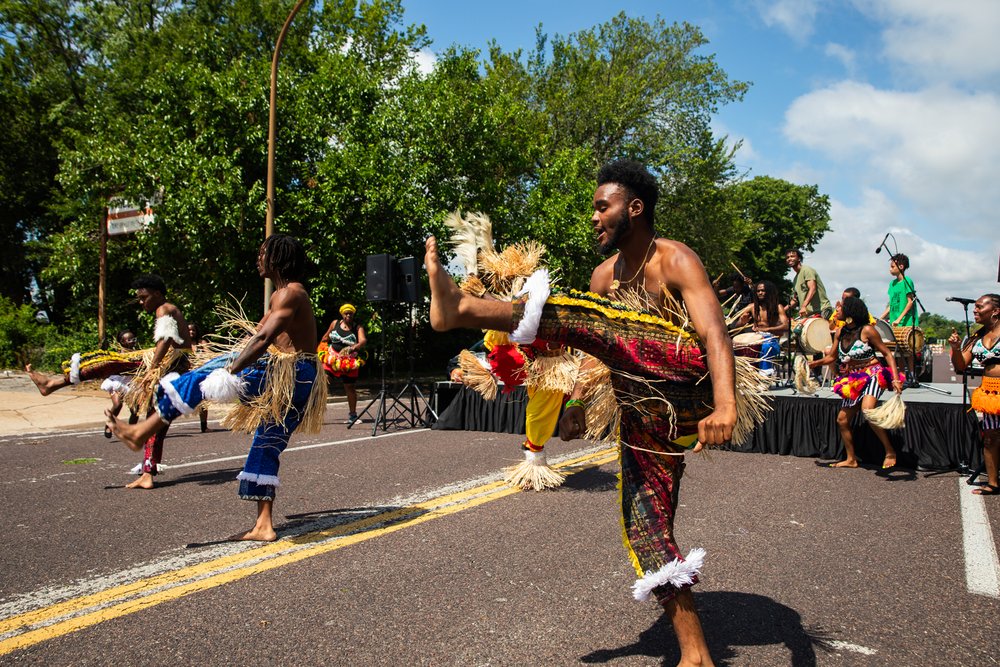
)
(272, 126)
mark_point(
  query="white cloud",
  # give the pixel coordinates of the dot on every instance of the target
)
(950, 39)
(937, 147)
(846, 257)
(425, 59)
(745, 154)
(845, 55)
(795, 17)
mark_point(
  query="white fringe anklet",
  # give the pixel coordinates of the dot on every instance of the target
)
(677, 573)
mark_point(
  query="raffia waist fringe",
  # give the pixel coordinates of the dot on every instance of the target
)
(273, 404)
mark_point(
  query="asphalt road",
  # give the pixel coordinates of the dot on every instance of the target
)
(405, 549)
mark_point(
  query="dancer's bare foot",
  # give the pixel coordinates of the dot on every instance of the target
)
(46, 384)
(134, 435)
(889, 462)
(445, 295)
(144, 481)
(845, 464)
(256, 534)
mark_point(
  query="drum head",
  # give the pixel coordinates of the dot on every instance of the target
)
(815, 336)
(885, 332)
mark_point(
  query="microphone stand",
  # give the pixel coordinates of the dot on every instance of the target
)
(963, 466)
(788, 370)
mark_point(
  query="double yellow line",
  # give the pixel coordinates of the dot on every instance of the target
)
(75, 614)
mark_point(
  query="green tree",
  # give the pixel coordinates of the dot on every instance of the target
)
(169, 102)
(777, 215)
(939, 327)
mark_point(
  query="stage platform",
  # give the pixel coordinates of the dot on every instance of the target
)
(939, 434)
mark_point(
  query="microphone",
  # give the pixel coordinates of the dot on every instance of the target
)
(879, 248)
(961, 300)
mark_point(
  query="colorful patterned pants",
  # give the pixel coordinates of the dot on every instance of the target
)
(646, 359)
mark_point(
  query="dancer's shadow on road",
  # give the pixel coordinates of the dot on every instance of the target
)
(592, 480)
(209, 478)
(309, 527)
(731, 620)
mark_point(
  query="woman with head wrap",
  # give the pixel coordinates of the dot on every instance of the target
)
(339, 350)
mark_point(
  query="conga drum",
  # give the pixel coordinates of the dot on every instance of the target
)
(748, 344)
(886, 333)
(909, 338)
(813, 334)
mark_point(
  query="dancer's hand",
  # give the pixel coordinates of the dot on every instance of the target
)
(953, 339)
(717, 428)
(573, 423)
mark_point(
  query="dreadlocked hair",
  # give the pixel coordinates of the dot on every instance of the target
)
(286, 256)
(769, 304)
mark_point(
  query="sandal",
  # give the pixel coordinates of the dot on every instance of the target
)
(987, 490)
(107, 432)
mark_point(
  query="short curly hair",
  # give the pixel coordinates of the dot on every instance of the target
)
(150, 282)
(637, 181)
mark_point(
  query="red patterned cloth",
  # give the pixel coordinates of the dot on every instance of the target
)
(647, 359)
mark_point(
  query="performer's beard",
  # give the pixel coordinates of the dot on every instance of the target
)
(623, 227)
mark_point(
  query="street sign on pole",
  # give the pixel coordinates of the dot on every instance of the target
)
(125, 217)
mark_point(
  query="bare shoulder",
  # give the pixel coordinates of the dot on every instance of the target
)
(292, 294)
(600, 279)
(678, 264)
(167, 308)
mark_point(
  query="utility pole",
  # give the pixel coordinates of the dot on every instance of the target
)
(272, 127)
(102, 283)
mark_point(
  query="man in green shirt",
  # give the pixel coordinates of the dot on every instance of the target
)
(809, 290)
(902, 309)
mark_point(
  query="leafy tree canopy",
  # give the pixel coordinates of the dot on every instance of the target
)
(168, 103)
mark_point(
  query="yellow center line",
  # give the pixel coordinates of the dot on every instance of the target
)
(284, 552)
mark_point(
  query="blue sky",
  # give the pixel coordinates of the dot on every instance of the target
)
(891, 107)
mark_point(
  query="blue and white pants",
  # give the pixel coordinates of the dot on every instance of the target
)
(181, 394)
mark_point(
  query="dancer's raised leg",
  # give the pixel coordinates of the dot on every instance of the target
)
(46, 383)
(135, 435)
(451, 308)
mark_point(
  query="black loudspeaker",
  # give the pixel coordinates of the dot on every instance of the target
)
(380, 279)
(409, 280)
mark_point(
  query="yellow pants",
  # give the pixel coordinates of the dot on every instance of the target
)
(541, 416)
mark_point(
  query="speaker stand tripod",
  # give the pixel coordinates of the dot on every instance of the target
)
(409, 406)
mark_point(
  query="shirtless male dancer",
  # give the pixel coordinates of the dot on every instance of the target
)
(289, 326)
(170, 333)
(623, 221)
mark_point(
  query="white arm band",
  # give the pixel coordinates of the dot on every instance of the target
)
(537, 289)
(166, 327)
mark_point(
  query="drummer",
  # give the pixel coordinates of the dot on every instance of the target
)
(810, 293)
(902, 311)
(347, 337)
(738, 292)
(768, 319)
